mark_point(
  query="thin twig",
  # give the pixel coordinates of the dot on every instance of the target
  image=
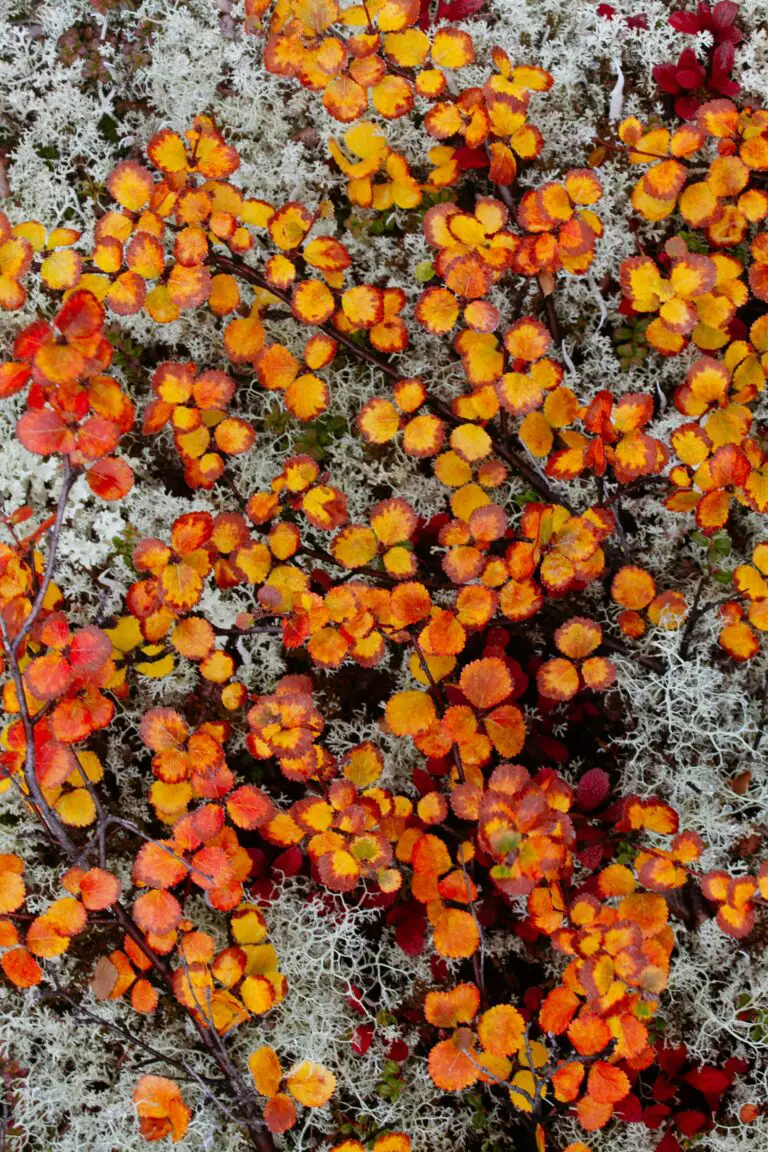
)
(129, 1037)
(70, 476)
(693, 617)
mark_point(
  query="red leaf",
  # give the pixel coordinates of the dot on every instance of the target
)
(90, 649)
(410, 927)
(43, 432)
(709, 1081)
(13, 377)
(398, 1051)
(686, 22)
(459, 9)
(471, 158)
(671, 1060)
(668, 1143)
(362, 1038)
(111, 479)
(289, 862)
(655, 1116)
(691, 1122)
(630, 1110)
(80, 317)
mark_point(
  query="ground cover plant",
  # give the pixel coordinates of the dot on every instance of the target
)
(384, 576)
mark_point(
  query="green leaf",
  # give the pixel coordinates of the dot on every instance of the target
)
(425, 270)
(694, 243)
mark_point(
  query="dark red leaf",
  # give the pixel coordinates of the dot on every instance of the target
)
(398, 1050)
(686, 22)
(709, 1081)
(671, 1060)
(691, 1122)
(471, 158)
(655, 1115)
(630, 1110)
(410, 927)
(459, 9)
(362, 1038)
(289, 862)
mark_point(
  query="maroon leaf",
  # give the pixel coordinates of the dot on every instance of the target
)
(289, 862)
(410, 927)
(362, 1038)
(471, 158)
(671, 1060)
(691, 1122)
(459, 9)
(655, 1115)
(630, 1110)
(687, 22)
(709, 1081)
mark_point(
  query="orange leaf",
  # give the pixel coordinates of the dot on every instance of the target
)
(486, 682)
(566, 1081)
(280, 1113)
(338, 870)
(311, 1084)
(500, 1030)
(410, 713)
(593, 1114)
(249, 807)
(447, 1009)
(430, 855)
(456, 934)
(144, 997)
(110, 478)
(578, 637)
(437, 310)
(312, 302)
(606, 1083)
(450, 1067)
(21, 968)
(557, 1010)
(589, 1034)
(157, 867)
(99, 889)
(558, 679)
(43, 431)
(131, 185)
(266, 1071)
(258, 994)
(157, 912)
(162, 1112)
(307, 397)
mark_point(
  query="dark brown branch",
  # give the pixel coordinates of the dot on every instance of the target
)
(693, 618)
(130, 1038)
